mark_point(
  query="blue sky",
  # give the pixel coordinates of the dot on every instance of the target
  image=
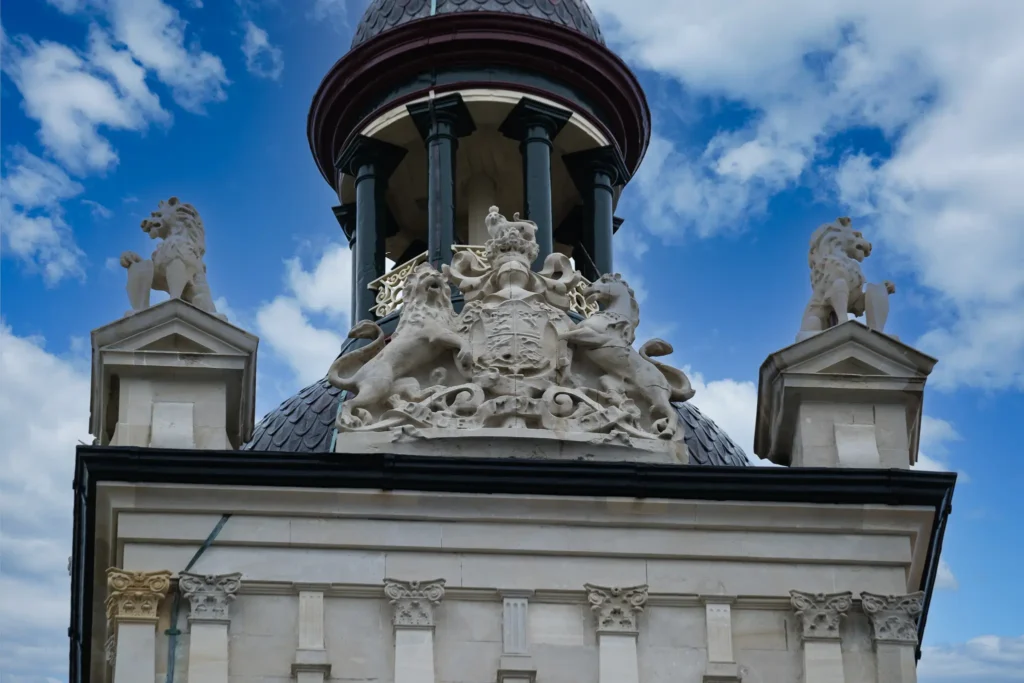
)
(769, 119)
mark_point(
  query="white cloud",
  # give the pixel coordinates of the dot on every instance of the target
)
(944, 579)
(940, 85)
(284, 323)
(34, 230)
(261, 58)
(933, 451)
(993, 659)
(41, 423)
(98, 210)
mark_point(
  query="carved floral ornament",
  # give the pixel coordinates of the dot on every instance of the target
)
(513, 358)
(135, 596)
(894, 617)
(821, 613)
(616, 609)
(414, 601)
(209, 595)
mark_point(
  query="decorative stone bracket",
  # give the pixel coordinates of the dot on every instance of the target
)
(616, 608)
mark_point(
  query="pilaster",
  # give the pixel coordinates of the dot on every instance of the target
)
(133, 602)
(516, 665)
(617, 611)
(535, 125)
(820, 615)
(209, 597)
(414, 604)
(311, 664)
(894, 631)
(721, 667)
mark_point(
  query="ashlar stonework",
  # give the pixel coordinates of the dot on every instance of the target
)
(513, 359)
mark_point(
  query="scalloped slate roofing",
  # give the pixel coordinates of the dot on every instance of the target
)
(383, 15)
(305, 424)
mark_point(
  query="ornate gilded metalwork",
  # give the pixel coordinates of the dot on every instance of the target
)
(389, 286)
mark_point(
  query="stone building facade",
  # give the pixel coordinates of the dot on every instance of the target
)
(495, 481)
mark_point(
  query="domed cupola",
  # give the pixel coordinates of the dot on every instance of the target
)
(383, 15)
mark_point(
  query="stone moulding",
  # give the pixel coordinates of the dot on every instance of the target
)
(616, 609)
(894, 617)
(209, 595)
(413, 602)
(821, 613)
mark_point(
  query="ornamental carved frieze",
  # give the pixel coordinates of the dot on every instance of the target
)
(209, 594)
(616, 609)
(513, 358)
(135, 596)
(413, 602)
(893, 617)
(821, 613)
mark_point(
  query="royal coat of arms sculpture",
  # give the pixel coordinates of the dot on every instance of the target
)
(514, 359)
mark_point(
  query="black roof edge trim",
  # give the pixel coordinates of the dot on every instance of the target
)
(825, 486)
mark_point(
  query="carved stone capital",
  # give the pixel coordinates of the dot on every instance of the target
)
(209, 594)
(135, 596)
(820, 613)
(893, 617)
(414, 601)
(616, 608)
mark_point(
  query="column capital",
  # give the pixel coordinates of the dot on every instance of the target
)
(135, 596)
(529, 113)
(583, 164)
(893, 617)
(366, 150)
(450, 109)
(616, 608)
(345, 214)
(209, 594)
(414, 601)
(820, 613)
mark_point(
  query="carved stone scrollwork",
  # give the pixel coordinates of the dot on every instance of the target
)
(821, 613)
(209, 595)
(135, 596)
(414, 601)
(894, 617)
(513, 359)
(616, 609)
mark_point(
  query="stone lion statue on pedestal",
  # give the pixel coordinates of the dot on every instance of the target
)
(837, 282)
(177, 264)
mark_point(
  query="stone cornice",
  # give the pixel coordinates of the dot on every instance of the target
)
(893, 617)
(616, 609)
(821, 613)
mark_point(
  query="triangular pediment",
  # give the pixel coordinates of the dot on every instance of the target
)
(177, 342)
(174, 335)
(174, 326)
(853, 349)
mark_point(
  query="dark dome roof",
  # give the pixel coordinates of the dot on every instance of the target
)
(305, 424)
(383, 15)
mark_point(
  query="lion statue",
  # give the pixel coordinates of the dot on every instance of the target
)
(177, 264)
(606, 339)
(837, 282)
(381, 369)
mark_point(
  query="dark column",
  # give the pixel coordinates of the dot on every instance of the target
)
(596, 172)
(346, 215)
(535, 125)
(441, 122)
(371, 162)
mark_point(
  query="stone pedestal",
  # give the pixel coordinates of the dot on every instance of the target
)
(413, 604)
(209, 597)
(820, 615)
(616, 611)
(846, 397)
(133, 600)
(173, 376)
